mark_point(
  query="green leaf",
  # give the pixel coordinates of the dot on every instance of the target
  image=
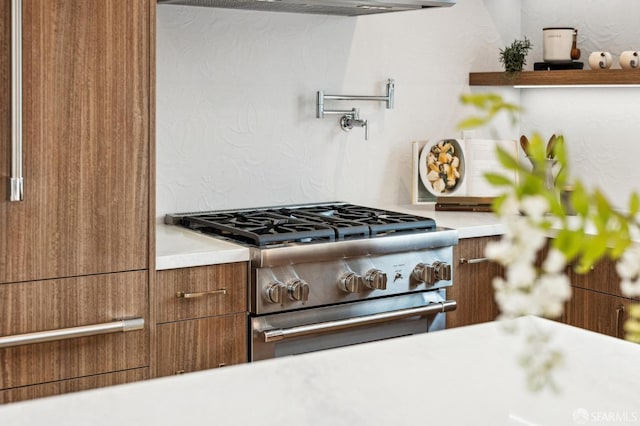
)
(497, 202)
(634, 204)
(569, 242)
(473, 122)
(580, 200)
(496, 179)
(507, 160)
(594, 250)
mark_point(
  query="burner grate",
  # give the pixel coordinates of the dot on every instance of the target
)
(260, 228)
(304, 224)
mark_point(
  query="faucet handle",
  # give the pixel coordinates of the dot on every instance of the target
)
(365, 126)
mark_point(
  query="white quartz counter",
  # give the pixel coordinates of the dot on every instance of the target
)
(177, 247)
(180, 248)
(463, 376)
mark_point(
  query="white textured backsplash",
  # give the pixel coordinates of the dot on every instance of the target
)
(601, 125)
(236, 94)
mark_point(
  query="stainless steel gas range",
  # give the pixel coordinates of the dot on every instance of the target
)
(335, 274)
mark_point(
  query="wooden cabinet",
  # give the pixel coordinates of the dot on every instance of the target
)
(77, 250)
(86, 144)
(597, 302)
(56, 305)
(73, 385)
(202, 318)
(472, 288)
(596, 311)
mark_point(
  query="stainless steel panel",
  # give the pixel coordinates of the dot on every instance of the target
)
(360, 334)
(323, 7)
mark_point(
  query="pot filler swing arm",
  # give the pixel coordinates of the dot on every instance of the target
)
(351, 118)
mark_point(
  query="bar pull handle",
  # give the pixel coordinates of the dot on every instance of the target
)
(187, 295)
(619, 315)
(464, 260)
(16, 181)
(123, 326)
(330, 326)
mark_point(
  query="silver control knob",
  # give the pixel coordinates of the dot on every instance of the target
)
(376, 279)
(443, 270)
(350, 282)
(424, 273)
(275, 292)
(298, 290)
(430, 274)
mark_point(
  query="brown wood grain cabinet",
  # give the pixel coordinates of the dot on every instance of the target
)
(202, 318)
(73, 385)
(596, 311)
(472, 288)
(86, 74)
(77, 250)
(597, 303)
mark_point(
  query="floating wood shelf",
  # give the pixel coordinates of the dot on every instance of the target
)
(556, 78)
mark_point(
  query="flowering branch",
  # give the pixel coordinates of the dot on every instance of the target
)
(532, 208)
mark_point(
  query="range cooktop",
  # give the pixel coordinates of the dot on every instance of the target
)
(309, 223)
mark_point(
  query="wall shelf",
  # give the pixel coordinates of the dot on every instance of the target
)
(615, 77)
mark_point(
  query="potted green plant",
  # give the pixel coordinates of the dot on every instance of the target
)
(514, 56)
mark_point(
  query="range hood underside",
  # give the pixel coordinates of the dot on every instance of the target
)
(322, 7)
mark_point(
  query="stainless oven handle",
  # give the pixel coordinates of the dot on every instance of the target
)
(124, 325)
(327, 327)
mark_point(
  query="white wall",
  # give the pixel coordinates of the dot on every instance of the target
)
(236, 91)
(601, 125)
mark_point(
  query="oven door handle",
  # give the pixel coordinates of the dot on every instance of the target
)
(330, 326)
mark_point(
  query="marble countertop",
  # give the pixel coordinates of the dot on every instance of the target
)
(180, 248)
(463, 376)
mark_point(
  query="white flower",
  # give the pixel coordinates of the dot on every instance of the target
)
(535, 207)
(510, 206)
(628, 267)
(501, 251)
(630, 288)
(521, 275)
(551, 292)
(555, 262)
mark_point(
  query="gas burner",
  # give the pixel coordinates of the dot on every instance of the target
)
(265, 227)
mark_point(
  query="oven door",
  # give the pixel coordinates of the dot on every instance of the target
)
(314, 329)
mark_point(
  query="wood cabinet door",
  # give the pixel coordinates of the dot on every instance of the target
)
(86, 139)
(595, 311)
(185, 346)
(472, 288)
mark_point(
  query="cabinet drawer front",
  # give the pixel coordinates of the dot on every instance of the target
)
(72, 302)
(73, 385)
(200, 344)
(198, 292)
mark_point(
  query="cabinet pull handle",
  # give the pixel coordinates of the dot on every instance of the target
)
(464, 260)
(16, 181)
(619, 315)
(185, 295)
(124, 326)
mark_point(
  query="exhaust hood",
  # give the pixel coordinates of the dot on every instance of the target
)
(322, 7)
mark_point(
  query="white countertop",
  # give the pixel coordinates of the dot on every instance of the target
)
(180, 248)
(463, 376)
